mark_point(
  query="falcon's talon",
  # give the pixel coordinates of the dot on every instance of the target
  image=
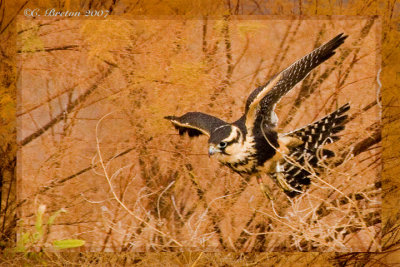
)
(266, 191)
(264, 188)
(283, 184)
(251, 146)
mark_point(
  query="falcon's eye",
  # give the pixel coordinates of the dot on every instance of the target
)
(222, 144)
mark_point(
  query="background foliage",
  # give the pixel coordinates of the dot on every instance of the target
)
(389, 53)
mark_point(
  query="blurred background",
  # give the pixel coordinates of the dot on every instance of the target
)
(92, 97)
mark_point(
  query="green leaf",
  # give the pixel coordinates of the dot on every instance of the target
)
(68, 243)
(54, 216)
(39, 222)
(23, 241)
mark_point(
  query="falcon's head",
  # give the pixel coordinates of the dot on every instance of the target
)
(224, 141)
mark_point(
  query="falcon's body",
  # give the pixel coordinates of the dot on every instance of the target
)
(248, 150)
(251, 146)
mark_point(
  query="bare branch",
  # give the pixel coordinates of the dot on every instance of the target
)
(69, 108)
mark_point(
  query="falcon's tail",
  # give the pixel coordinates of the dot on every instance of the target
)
(307, 153)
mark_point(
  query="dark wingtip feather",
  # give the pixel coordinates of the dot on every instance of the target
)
(341, 120)
(292, 194)
(330, 46)
(328, 153)
(337, 129)
(342, 36)
(169, 117)
(338, 40)
(342, 110)
(345, 107)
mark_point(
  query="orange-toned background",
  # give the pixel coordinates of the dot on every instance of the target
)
(172, 73)
(388, 12)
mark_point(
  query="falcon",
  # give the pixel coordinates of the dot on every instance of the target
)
(251, 146)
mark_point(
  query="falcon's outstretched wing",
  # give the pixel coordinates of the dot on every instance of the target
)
(322, 131)
(196, 123)
(309, 152)
(263, 99)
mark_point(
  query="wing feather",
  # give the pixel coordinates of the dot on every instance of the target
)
(262, 100)
(196, 123)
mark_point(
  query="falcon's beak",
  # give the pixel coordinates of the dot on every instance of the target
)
(212, 150)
